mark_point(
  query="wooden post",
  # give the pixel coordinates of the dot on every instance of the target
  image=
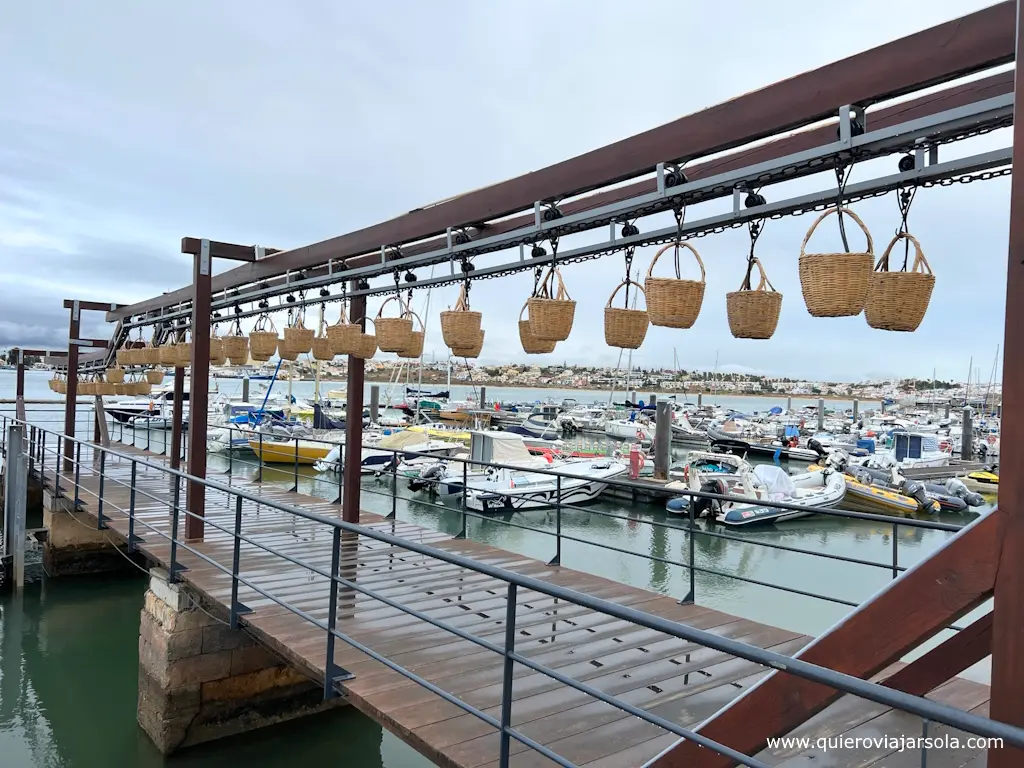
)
(1007, 702)
(71, 397)
(354, 420)
(198, 396)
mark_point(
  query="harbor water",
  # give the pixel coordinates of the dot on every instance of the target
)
(68, 648)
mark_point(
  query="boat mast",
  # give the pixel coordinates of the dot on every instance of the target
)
(316, 363)
(967, 392)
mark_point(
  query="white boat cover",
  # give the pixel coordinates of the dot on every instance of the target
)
(776, 481)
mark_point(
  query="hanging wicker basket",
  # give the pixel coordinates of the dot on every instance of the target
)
(287, 352)
(236, 348)
(115, 375)
(754, 313)
(531, 344)
(460, 325)
(897, 301)
(322, 348)
(344, 336)
(60, 386)
(625, 328)
(551, 310)
(142, 387)
(393, 332)
(54, 383)
(217, 356)
(183, 354)
(415, 349)
(470, 351)
(126, 356)
(263, 340)
(155, 376)
(671, 301)
(124, 389)
(836, 284)
(167, 354)
(366, 346)
(298, 338)
(147, 354)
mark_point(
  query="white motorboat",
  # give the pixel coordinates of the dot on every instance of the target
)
(581, 481)
(629, 429)
(910, 450)
(684, 432)
(376, 458)
(816, 490)
(543, 422)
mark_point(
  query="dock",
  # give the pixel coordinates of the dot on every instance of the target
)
(667, 676)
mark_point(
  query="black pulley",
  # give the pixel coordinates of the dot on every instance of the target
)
(754, 199)
(907, 163)
(538, 252)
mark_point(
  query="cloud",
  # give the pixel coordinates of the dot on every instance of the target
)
(129, 125)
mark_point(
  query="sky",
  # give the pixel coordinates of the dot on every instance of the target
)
(125, 126)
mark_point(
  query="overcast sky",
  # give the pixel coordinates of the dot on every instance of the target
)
(126, 125)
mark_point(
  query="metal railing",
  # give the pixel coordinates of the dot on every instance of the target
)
(96, 460)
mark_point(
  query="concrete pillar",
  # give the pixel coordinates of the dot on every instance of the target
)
(856, 410)
(700, 399)
(374, 402)
(245, 389)
(821, 415)
(200, 680)
(632, 396)
(967, 436)
(73, 545)
(789, 403)
(662, 440)
(653, 400)
(483, 397)
(947, 411)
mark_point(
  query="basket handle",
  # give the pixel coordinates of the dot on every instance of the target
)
(264, 323)
(678, 245)
(461, 303)
(423, 326)
(619, 287)
(764, 281)
(561, 294)
(368, 319)
(525, 305)
(401, 306)
(829, 212)
(920, 262)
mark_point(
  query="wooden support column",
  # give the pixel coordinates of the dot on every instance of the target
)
(353, 420)
(1008, 612)
(913, 608)
(198, 398)
(71, 397)
(174, 453)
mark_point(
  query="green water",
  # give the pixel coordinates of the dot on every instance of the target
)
(68, 687)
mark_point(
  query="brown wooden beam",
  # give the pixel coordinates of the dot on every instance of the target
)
(350, 501)
(919, 604)
(198, 398)
(1007, 702)
(219, 250)
(944, 662)
(93, 306)
(71, 395)
(45, 352)
(942, 53)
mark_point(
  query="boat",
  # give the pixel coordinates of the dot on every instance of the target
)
(702, 468)
(580, 481)
(629, 429)
(984, 480)
(743, 443)
(910, 450)
(543, 422)
(405, 444)
(818, 490)
(301, 451)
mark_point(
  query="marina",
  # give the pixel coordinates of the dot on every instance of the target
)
(645, 568)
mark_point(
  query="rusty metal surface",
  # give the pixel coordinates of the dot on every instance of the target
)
(939, 54)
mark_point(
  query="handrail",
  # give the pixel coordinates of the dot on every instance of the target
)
(838, 681)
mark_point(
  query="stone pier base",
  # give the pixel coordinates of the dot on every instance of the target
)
(74, 546)
(200, 680)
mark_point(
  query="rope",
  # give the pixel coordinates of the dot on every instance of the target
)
(755, 228)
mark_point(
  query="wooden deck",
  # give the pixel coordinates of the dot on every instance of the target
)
(679, 681)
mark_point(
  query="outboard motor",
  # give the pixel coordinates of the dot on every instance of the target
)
(918, 492)
(955, 487)
(706, 507)
(817, 447)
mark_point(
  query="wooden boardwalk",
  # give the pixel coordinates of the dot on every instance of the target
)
(677, 680)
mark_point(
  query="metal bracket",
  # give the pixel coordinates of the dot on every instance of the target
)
(338, 675)
(261, 252)
(134, 541)
(852, 122)
(204, 257)
(556, 560)
(688, 600)
(76, 310)
(178, 568)
(538, 220)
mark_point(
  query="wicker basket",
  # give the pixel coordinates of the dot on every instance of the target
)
(366, 344)
(183, 354)
(287, 352)
(460, 326)
(836, 284)
(470, 351)
(263, 340)
(167, 354)
(115, 375)
(322, 348)
(126, 356)
(124, 389)
(217, 356)
(625, 328)
(298, 338)
(415, 349)
(551, 311)
(897, 301)
(754, 313)
(671, 301)
(147, 354)
(155, 376)
(236, 348)
(54, 384)
(393, 332)
(142, 387)
(61, 387)
(531, 344)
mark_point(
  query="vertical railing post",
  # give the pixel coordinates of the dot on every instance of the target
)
(236, 607)
(895, 554)
(689, 599)
(231, 459)
(295, 488)
(78, 472)
(557, 559)
(341, 471)
(330, 673)
(506, 680)
(259, 462)
(132, 539)
(148, 428)
(465, 479)
(56, 466)
(176, 494)
(100, 525)
(42, 460)
(394, 485)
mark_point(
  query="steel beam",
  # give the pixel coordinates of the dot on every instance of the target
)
(1007, 702)
(350, 500)
(198, 398)
(942, 53)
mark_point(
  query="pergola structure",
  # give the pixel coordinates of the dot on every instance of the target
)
(844, 113)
